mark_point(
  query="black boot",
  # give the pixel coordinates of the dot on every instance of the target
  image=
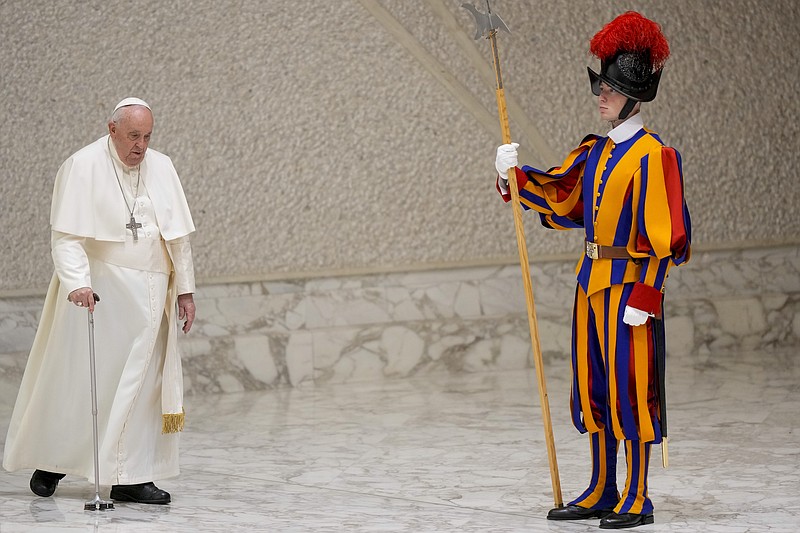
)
(140, 493)
(44, 483)
(575, 512)
(625, 520)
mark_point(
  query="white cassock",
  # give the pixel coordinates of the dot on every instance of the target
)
(139, 381)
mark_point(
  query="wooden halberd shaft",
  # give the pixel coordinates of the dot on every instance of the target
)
(526, 281)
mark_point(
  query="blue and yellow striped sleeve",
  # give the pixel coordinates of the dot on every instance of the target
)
(556, 193)
(663, 225)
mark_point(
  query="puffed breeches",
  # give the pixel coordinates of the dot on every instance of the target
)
(613, 366)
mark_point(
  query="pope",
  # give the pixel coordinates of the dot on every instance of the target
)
(120, 227)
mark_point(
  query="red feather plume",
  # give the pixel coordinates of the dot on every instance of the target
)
(631, 32)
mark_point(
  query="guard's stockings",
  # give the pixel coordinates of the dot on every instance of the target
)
(602, 491)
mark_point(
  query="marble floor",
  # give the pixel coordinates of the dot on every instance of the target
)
(444, 453)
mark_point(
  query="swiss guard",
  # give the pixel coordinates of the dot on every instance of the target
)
(625, 191)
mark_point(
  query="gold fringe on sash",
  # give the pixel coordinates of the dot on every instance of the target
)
(173, 416)
(173, 422)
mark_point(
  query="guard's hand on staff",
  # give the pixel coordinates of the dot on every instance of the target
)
(83, 297)
(186, 310)
(506, 158)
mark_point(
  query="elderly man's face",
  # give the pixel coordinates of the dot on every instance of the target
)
(131, 134)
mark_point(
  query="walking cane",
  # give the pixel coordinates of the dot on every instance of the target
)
(96, 504)
(488, 24)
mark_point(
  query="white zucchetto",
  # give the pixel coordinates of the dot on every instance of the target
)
(132, 101)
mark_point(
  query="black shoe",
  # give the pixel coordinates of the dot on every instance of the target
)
(44, 483)
(574, 512)
(624, 520)
(140, 493)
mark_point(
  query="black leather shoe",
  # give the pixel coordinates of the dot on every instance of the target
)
(44, 483)
(140, 493)
(624, 520)
(574, 512)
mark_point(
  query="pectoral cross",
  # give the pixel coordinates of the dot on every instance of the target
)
(133, 226)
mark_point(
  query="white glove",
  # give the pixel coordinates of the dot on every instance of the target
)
(635, 317)
(506, 158)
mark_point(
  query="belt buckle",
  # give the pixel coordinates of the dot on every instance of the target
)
(592, 250)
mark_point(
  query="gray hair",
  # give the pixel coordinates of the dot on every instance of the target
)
(122, 112)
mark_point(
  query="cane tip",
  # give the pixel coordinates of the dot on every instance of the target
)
(98, 506)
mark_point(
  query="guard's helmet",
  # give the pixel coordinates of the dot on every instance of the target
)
(632, 52)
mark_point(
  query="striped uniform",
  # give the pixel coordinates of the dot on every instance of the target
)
(625, 194)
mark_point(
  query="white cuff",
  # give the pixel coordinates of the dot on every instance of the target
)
(180, 250)
(502, 184)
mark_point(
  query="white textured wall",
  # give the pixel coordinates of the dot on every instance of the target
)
(353, 134)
